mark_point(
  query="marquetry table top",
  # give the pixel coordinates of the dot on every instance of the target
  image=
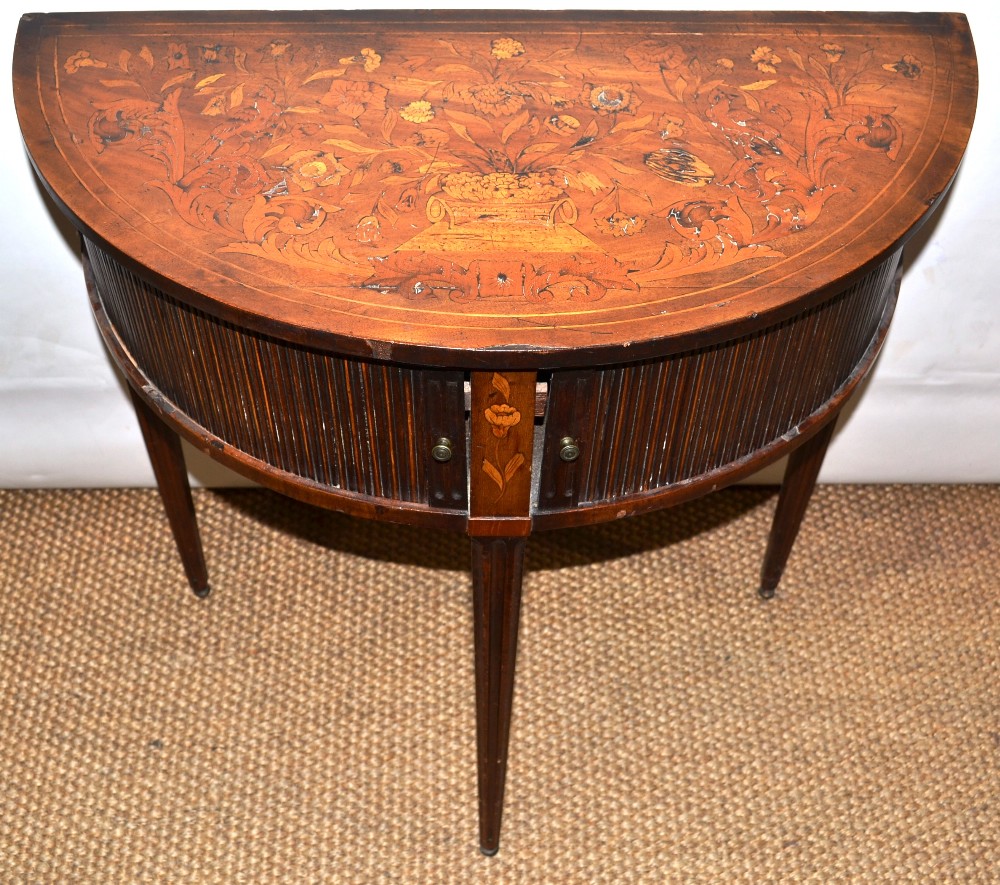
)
(538, 186)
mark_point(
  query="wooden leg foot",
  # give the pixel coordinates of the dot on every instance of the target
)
(796, 489)
(167, 458)
(497, 567)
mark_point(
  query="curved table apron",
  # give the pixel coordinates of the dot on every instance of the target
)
(494, 274)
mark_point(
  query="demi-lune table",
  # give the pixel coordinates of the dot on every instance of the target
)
(494, 272)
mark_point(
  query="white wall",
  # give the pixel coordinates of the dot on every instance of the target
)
(931, 413)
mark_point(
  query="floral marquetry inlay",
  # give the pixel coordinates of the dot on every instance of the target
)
(526, 169)
(497, 144)
(502, 437)
(501, 465)
(494, 271)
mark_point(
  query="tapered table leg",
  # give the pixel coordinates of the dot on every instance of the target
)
(497, 566)
(796, 489)
(167, 458)
(500, 455)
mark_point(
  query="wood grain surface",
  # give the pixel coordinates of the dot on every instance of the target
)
(500, 190)
(494, 272)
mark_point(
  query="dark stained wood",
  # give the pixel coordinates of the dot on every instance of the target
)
(739, 467)
(650, 427)
(442, 399)
(250, 465)
(494, 272)
(497, 567)
(326, 419)
(796, 489)
(167, 458)
(572, 411)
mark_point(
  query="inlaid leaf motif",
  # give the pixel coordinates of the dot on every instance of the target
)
(633, 123)
(279, 148)
(455, 68)
(174, 81)
(542, 148)
(351, 146)
(591, 131)
(591, 182)
(383, 208)
(502, 385)
(215, 107)
(796, 58)
(493, 474)
(865, 59)
(512, 466)
(709, 85)
(513, 126)
(389, 122)
(510, 146)
(462, 131)
(622, 168)
(208, 81)
(327, 74)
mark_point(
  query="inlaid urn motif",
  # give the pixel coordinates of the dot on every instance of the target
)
(500, 167)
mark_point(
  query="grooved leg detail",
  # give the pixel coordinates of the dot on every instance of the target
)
(497, 567)
(167, 458)
(796, 490)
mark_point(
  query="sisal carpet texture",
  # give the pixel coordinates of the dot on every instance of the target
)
(313, 720)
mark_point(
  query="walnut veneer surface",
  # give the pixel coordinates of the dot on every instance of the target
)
(494, 272)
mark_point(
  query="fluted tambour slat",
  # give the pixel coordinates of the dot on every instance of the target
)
(661, 422)
(347, 424)
(671, 419)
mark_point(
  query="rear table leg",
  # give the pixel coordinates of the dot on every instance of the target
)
(167, 458)
(796, 489)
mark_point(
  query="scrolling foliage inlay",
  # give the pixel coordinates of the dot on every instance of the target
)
(502, 169)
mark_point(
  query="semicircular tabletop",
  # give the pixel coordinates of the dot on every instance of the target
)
(535, 185)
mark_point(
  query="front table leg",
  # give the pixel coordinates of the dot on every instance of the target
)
(497, 566)
(167, 458)
(502, 442)
(796, 490)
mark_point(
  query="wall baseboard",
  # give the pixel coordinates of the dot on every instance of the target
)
(899, 430)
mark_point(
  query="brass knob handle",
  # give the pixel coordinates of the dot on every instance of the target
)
(568, 449)
(442, 450)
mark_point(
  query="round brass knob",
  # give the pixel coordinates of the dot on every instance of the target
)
(568, 449)
(442, 451)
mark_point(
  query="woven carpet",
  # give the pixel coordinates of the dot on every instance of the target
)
(313, 720)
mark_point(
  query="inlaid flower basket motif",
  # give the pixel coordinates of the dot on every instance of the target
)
(533, 167)
(532, 198)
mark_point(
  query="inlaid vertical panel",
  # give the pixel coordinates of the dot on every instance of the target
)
(350, 424)
(501, 423)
